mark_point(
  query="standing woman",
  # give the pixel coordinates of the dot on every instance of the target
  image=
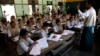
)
(89, 24)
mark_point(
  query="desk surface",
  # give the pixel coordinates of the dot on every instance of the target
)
(53, 44)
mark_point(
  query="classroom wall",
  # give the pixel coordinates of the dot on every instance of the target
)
(1, 15)
(22, 6)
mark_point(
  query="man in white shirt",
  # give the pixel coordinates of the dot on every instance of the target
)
(89, 24)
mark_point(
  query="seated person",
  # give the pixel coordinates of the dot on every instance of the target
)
(58, 29)
(13, 18)
(13, 31)
(20, 24)
(63, 21)
(44, 31)
(39, 23)
(24, 20)
(33, 21)
(25, 44)
(70, 23)
(53, 19)
(29, 27)
(4, 26)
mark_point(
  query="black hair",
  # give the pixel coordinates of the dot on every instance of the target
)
(28, 21)
(42, 15)
(91, 2)
(26, 15)
(19, 20)
(45, 24)
(38, 19)
(23, 32)
(3, 20)
(23, 17)
(31, 18)
(57, 20)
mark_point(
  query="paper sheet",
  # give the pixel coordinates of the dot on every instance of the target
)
(57, 37)
(16, 38)
(66, 32)
(36, 50)
(43, 43)
(78, 26)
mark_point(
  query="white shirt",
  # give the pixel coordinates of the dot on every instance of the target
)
(30, 28)
(57, 28)
(23, 45)
(70, 24)
(90, 16)
(44, 34)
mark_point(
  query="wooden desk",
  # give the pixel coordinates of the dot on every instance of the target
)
(53, 44)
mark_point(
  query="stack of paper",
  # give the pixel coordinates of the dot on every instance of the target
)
(36, 50)
(57, 37)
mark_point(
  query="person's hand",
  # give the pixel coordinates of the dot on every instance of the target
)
(78, 6)
(35, 43)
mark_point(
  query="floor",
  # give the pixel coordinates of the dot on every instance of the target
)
(76, 52)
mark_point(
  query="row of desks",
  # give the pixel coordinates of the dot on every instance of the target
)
(53, 44)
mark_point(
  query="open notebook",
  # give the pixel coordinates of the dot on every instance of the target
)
(67, 32)
(56, 38)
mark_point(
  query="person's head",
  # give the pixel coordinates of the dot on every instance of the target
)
(23, 17)
(39, 20)
(29, 23)
(13, 18)
(20, 21)
(23, 33)
(42, 16)
(58, 22)
(89, 4)
(4, 21)
(71, 18)
(45, 25)
(4, 11)
(63, 16)
(13, 24)
(26, 16)
(32, 20)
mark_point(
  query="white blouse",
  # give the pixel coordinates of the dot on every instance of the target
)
(23, 45)
(57, 28)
